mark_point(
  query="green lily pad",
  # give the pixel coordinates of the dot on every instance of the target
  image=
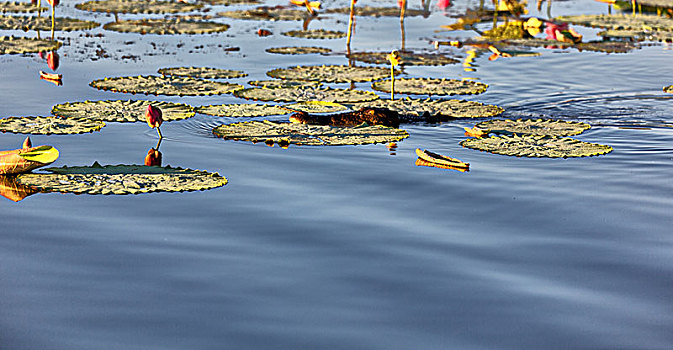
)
(544, 127)
(302, 94)
(121, 179)
(298, 50)
(370, 11)
(429, 86)
(536, 146)
(265, 13)
(122, 111)
(16, 7)
(639, 35)
(166, 26)
(596, 46)
(305, 134)
(49, 125)
(44, 23)
(242, 110)
(408, 58)
(668, 89)
(317, 107)
(14, 45)
(202, 72)
(137, 6)
(160, 85)
(621, 21)
(274, 84)
(232, 2)
(315, 34)
(414, 110)
(331, 73)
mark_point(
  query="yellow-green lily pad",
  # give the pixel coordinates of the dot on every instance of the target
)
(331, 73)
(49, 125)
(44, 23)
(18, 7)
(301, 94)
(14, 45)
(232, 2)
(414, 109)
(617, 21)
(137, 6)
(122, 111)
(166, 26)
(545, 127)
(317, 107)
(298, 50)
(668, 89)
(274, 84)
(305, 134)
(203, 72)
(242, 110)
(161, 85)
(121, 179)
(265, 13)
(536, 146)
(370, 11)
(315, 34)
(408, 58)
(429, 86)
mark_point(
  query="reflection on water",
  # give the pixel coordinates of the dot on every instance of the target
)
(14, 191)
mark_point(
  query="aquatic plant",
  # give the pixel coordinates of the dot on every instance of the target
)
(415, 110)
(202, 72)
(546, 127)
(298, 50)
(122, 111)
(49, 125)
(242, 110)
(539, 146)
(308, 93)
(17, 45)
(668, 89)
(164, 85)
(316, 107)
(330, 73)
(315, 34)
(431, 86)
(163, 26)
(394, 59)
(154, 119)
(370, 11)
(26, 158)
(407, 58)
(137, 6)
(274, 84)
(620, 21)
(265, 13)
(41, 23)
(16, 7)
(441, 160)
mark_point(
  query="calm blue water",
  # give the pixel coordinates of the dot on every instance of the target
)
(350, 247)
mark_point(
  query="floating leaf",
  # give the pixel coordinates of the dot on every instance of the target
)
(639, 35)
(536, 146)
(160, 85)
(315, 34)
(242, 110)
(166, 26)
(203, 72)
(312, 135)
(137, 6)
(546, 127)
(621, 21)
(597, 46)
(49, 125)
(44, 23)
(122, 111)
(441, 160)
(14, 45)
(411, 110)
(298, 50)
(668, 89)
(331, 73)
(656, 3)
(121, 179)
(16, 7)
(274, 84)
(265, 13)
(408, 58)
(24, 160)
(369, 11)
(317, 107)
(232, 2)
(301, 94)
(428, 86)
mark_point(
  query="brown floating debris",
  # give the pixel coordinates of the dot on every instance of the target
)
(442, 161)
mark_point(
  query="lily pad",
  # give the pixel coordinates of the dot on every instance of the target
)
(121, 179)
(274, 84)
(408, 58)
(266, 13)
(545, 127)
(305, 134)
(122, 111)
(317, 107)
(638, 35)
(166, 26)
(232, 2)
(369, 11)
(414, 110)
(160, 85)
(137, 6)
(298, 50)
(315, 34)
(202, 72)
(596, 46)
(429, 86)
(44, 23)
(656, 3)
(306, 94)
(242, 110)
(621, 21)
(14, 45)
(16, 7)
(668, 89)
(49, 125)
(331, 73)
(536, 146)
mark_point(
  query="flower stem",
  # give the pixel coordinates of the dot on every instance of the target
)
(159, 132)
(392, 81)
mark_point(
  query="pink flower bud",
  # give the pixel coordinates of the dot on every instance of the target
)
(52, 60)
(153, 117)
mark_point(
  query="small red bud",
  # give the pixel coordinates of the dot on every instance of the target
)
(263, 32)
(53, 3)
(53, 60)
(27, 143)
(153, 117)
(153, 157)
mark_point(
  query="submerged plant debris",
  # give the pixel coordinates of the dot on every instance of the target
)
(163, 85)
(16, 45)
(44, 23)
(203, 72)
(545, 127)
(265, 13)
(415, 109)
(536, 146)
(408, 58)
(315, 34)
(432, 86)
(121, 179)
(331, 73)
(122, 111)
(274, 84)
(242, 110)
(19, 7)
(301, 94)
(49, 125)
(317, 107)
(311, 135)
(298, 50)
(166, 26)
(137, 6)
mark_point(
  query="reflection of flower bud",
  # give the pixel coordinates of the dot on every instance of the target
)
(27, 143)
(443, 4)
(153, 157)
(53, 60)
(53, 3)
(153, 117)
